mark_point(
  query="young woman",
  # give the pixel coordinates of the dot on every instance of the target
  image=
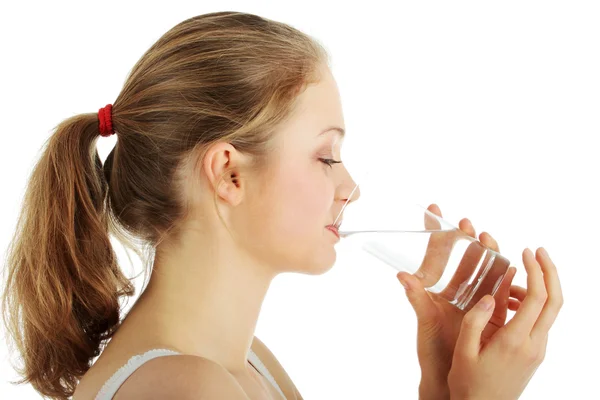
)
(227, 169)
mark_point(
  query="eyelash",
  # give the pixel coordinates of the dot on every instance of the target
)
(329, 161)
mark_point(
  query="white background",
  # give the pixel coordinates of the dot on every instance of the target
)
(491, 110)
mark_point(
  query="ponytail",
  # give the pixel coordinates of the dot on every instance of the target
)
(61, 299)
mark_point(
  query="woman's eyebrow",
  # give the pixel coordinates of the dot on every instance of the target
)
(334, 128)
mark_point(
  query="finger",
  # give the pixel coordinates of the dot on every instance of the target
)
(505, 288)
(513, 304)
(502, 298)
(555, 296)
(431, 222)
(524, 320)
(489, 279)
(419, 299)
(518, 292)
(466, 226)
(473, 324)
(503, 292)
(437, 254)
(459, 283)
(438, 249)
(496, 280)
(489, 241)
(467, 266)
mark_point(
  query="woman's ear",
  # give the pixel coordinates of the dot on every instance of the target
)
(223, 160)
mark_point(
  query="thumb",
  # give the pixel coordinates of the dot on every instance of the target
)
(417, 296)
(473, 324)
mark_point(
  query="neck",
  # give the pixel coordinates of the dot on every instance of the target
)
(205, 300)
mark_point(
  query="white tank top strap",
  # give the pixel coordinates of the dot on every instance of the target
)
(113, 384)
(255, 361)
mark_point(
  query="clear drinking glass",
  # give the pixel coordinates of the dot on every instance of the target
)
(410, 238)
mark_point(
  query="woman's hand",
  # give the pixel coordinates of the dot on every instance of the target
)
(502, 367)
(439, 322)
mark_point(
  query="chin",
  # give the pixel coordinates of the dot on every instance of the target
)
(308, 257)
(319, 264)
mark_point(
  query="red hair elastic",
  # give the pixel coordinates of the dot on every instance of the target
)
(105, 119)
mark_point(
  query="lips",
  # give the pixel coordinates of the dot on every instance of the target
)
(337, 226)
(334, 229)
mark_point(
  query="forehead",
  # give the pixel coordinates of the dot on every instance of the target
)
(318, 112)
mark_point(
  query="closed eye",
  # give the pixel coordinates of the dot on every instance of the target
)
(329, 161)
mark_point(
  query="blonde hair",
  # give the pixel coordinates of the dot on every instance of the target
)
(223, 76)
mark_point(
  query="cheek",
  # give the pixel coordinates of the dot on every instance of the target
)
(303, 205)
(285, 224)
(304, 210)
(293, 213)
(289, 219)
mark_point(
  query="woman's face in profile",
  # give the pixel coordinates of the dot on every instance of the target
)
(304, 194)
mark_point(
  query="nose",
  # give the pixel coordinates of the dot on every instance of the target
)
(352, 195)
(349, 191)
(347, 197)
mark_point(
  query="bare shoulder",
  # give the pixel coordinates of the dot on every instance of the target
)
(276, 369)
(181, 377)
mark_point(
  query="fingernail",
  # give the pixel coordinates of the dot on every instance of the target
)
(544, 252)
(419, 275)
(486, 304)
(404, 283)
(529, 252)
